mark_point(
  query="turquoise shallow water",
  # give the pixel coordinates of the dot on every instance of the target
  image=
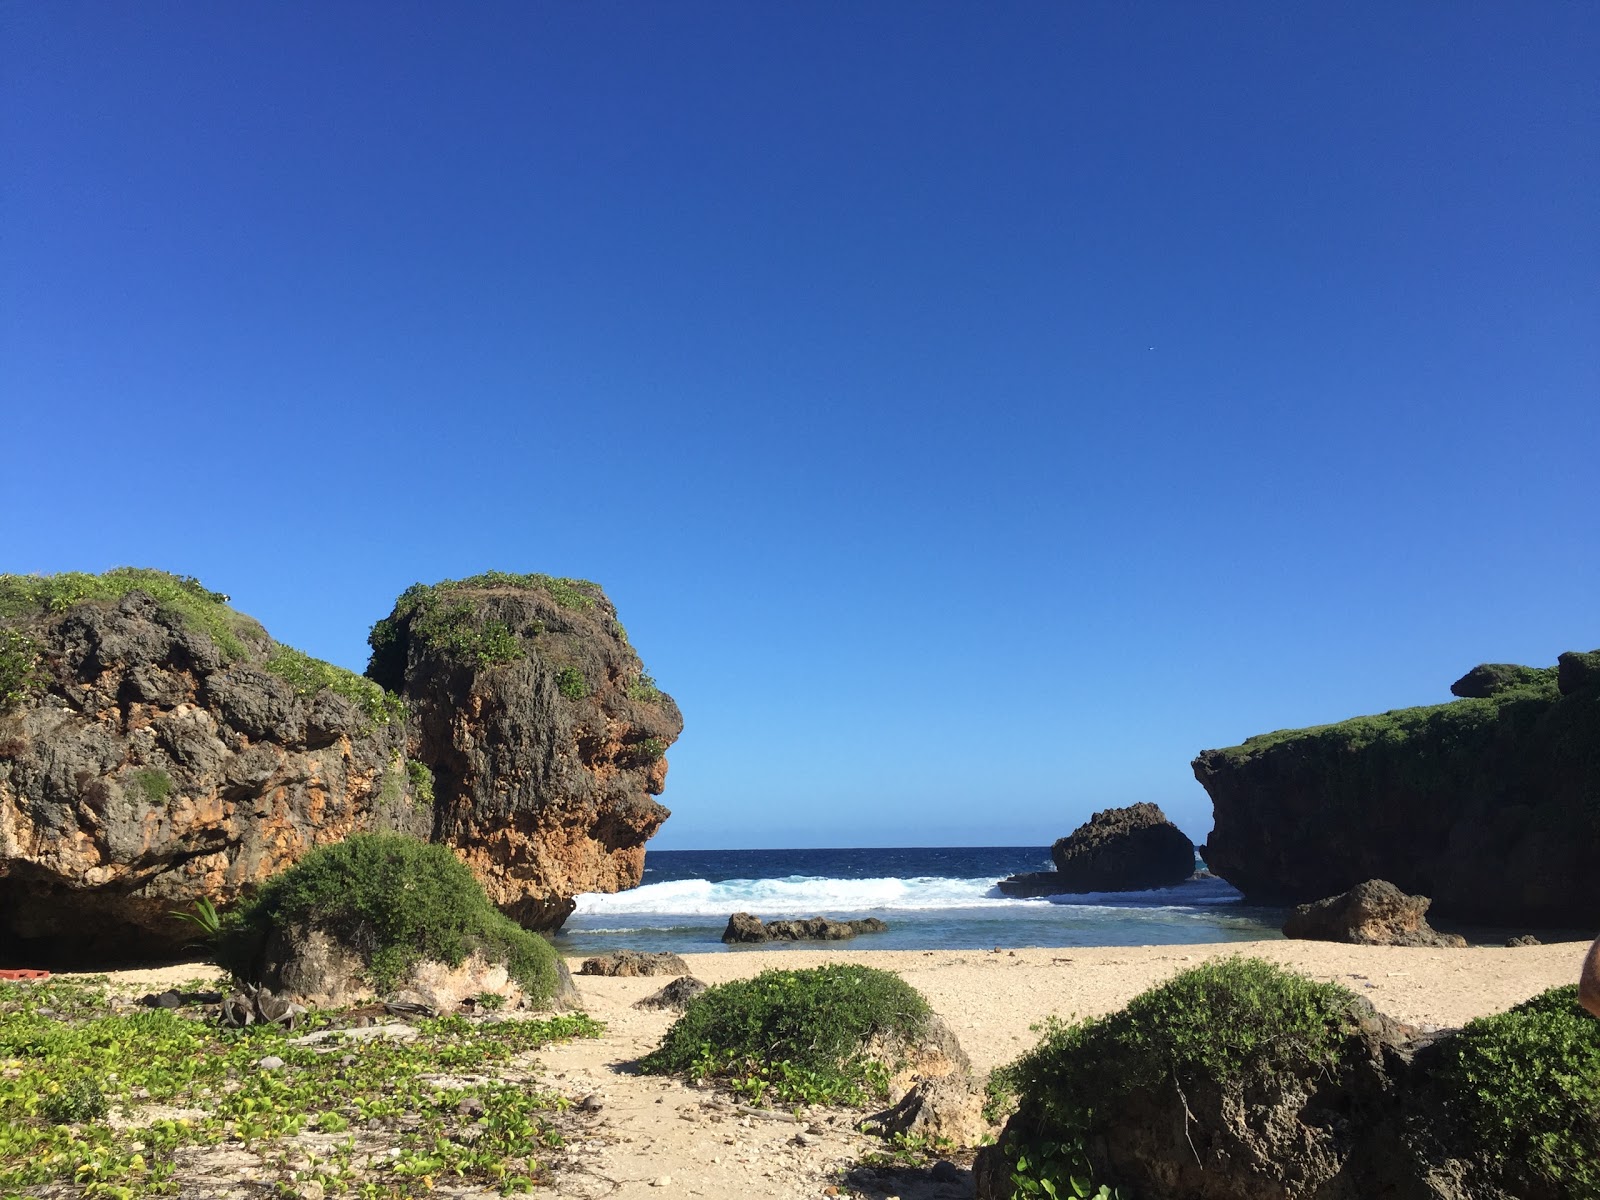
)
(932, 898)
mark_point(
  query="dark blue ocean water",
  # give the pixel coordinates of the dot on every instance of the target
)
(939, 897)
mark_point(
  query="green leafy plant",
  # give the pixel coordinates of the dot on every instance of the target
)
(800, 1036)
(19, 662)
(397, 901)
(571, 683)
(651, 749)
(421, 777)
(74, 1101)
(203, 916)
(1526, 1084)
(644, 689)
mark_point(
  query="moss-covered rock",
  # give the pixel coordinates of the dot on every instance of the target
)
(391, 903)
(1490, 805)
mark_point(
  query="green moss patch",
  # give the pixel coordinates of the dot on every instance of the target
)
(196, 605)
(19, 667)
(802, 1036)
(153, 784)
(394, 900)
(1526, 1085)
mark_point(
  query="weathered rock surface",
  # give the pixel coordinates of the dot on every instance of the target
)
(153, 752)
(946, 1108)
(145, 764)
(1485, 804)
(1116, 850)
(746, 928)
(676, 994)
(1374, 913)
(545, 738)
(633, 963)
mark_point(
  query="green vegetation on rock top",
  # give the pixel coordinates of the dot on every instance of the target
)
(1527, 1085)
(1443, 725)
(803, 1035)
(394, 900)
(308, 676)
(198, 607)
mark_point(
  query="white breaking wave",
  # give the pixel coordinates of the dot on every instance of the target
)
(804, 896)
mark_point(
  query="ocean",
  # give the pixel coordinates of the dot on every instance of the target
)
(933, 898)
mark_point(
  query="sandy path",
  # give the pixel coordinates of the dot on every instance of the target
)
(654, 1137)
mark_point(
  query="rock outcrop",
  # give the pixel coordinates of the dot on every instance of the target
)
(157, 746)
(160, 747)
(746, 928)
(1490, 804)
(676, 995)
(1116, 850)
(1374, 913)
(545, 737)
(631, 963)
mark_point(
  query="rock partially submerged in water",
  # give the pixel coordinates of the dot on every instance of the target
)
(1117, 850)
(747, 928)
(1374, 913)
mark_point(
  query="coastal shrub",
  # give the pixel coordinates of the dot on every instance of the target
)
(395, 901)
(1526, 1085)
(308, 676)
(75, 1101)
(193, 603)
(644, 689)
(19, 661)
(652, 749)
(802, 1036)
(421, 777)
(1238, 1018)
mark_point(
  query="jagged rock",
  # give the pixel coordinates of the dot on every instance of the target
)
(949, 1107)
(742, 927)
(676, 994)
(634, 962)
(935, 1053)
(159, 747)
(151, 760)
(1526, 939)
(1116, 850)
(545, 737)
(1484, 804)
(1374, 913)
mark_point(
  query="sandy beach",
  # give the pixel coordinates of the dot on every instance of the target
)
(656, 1137)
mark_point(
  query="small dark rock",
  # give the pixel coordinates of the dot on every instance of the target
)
(676, 994)
(1526, 939)
(171, 998)
(744, 927)
(945, 1171)
(470, 1106)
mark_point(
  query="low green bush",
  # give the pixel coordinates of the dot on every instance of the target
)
(153, 784)
(571, 683)
(394, 900)
(1230, 1018)
(803, 1036)
(19, 665)
(421, 776)
(1526, 1086)
(308, 676)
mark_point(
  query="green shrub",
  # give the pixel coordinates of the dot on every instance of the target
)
(153, 784)
(77, 1101)
(308, 676)
(802, 1035)
(194, 604)
(652, 749)
(421, 783)
(1230, 1018)
(644, 689)
(1526, 1084)
(571, 683)
(394, 900)
(19, 664)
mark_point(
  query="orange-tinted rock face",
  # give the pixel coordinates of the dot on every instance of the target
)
(545, 762)
(144, 770)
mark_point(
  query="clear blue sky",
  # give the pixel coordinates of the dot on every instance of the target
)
(973, 410)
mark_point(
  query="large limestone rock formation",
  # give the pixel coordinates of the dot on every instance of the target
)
(1489, 804)
(545, 737)
(1115, 850)
(1374, 913)
(155, 747)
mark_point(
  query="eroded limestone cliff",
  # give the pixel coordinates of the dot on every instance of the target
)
(156, 747)
(1489, 804)
(545, 737)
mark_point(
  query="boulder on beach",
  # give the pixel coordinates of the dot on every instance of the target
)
(676, 994)
(1374, 913)
(630, 963)
(747, 928)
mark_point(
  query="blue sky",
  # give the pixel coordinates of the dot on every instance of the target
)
(974, 411)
